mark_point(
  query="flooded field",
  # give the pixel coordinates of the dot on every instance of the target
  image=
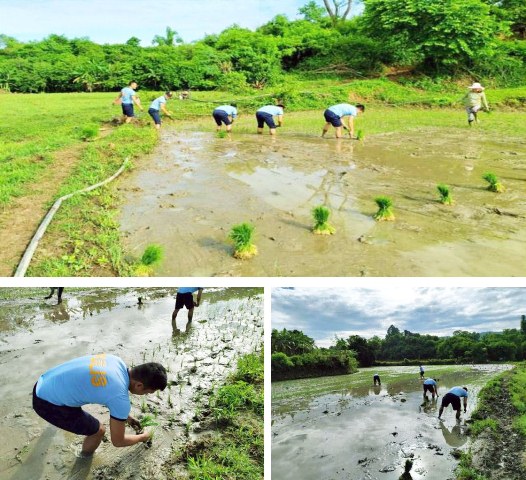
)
(196, 186)
(344, 427)
(37, 334)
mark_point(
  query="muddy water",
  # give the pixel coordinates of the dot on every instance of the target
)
(196, 186)
(343, 427)
(227, 324)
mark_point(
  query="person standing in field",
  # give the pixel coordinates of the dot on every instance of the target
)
(453, 398)
(185, 298)
(225, 114)
(421, 371)
(474, 100)
(430, 385)
(103, 379)
(266, 114)
(59, 294)
(158, 105)
(127, 97)
(333, 116)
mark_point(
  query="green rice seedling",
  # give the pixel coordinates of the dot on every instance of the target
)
(445, 194)
(148, 421)
(360, 135)
(89, 132)
(241, 235)
(222, 134)
(385, 209)
(494, 184)
(144, 407)
(321, 215)
(152, 255)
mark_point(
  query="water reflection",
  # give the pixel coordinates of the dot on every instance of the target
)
(455, 436)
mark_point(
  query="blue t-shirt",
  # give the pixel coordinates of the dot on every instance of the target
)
(229, 110)
(101, 379)
(272, 109)
(430, 381)
(156, 104)
(459, 392)
(187, 289)
(421, 369)
(127, 94)
(343, 109)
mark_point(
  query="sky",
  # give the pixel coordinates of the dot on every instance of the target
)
(323, 313)
(115, 21)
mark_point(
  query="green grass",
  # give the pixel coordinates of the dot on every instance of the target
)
(236, 449)
(465, 470)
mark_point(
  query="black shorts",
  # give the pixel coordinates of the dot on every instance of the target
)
(332, 118)
(155, 115)
(263, 118)
(127, 110)
(184, 300)
(451, 399)
(220, 116)
(71, 419)
(429, 388)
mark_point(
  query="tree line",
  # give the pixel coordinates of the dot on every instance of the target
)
(483, 39)
(408, 347)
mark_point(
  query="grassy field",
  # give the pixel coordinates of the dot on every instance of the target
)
(83, 238)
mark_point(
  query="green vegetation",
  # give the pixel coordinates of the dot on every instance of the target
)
(89, 132)
(152, 255)
(236, 449)
(321, 215)
(494, 184)
(445, 194)
(241, 235)
(360, 135)
(385, 209)
(148, 421)
(465, 470)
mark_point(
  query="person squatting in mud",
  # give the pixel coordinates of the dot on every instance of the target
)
(430, 385)
(185, 298)
(101, 379)
(453, 398)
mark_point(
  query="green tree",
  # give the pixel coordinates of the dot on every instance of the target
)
(291, 342)
(338, 10)
(170, 38)
(312, 12)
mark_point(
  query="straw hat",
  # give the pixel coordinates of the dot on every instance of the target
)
(476, 86)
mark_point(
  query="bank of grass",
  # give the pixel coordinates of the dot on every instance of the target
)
(236, 449)
(84, 238)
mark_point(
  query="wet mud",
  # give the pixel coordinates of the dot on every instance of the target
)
(344, 427)
(195, 187)
(227, 324)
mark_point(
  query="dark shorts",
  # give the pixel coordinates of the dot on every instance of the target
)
(451, 399)
(332, 118)
(184, 300)
(127, 109)
(263, 118)
(429, 388)
(221, 116)
(155, 115)
(71, 419)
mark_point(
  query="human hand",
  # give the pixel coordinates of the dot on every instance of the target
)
(146, 436)
(134, 423)
(196, 304)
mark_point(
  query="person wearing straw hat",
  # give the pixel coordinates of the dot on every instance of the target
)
(474, 100)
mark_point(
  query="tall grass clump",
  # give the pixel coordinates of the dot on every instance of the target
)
(89, 132)
(360, 135)
(494, 184)
(445, 194)
(152, 255)
(241, 235)
(385, 209)
(321, 215)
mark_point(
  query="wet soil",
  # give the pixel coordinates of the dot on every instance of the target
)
(196, 186)
(227, 324)
(344, 427)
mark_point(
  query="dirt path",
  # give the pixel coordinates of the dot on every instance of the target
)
(228, 324)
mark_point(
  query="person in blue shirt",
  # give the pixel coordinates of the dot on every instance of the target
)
(453, 398)
(158, 105)
(101, 379)
(266, 114)
(333, 116)
(127, 97)
(225, 114)
(430, 385)
(421, 371)
(376, 379)
(185, 298)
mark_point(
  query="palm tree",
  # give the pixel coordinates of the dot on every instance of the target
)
(169, 40)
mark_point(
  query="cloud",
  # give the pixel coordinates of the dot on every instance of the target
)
(323, 313)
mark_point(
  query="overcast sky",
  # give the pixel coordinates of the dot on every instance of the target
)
(115, 21)
(322, 313)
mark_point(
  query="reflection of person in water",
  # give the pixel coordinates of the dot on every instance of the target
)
(100, 379)
(376, 379)
(59, 294)
(185, 298)
(430, 385)
(453, 398)
(453, 438)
